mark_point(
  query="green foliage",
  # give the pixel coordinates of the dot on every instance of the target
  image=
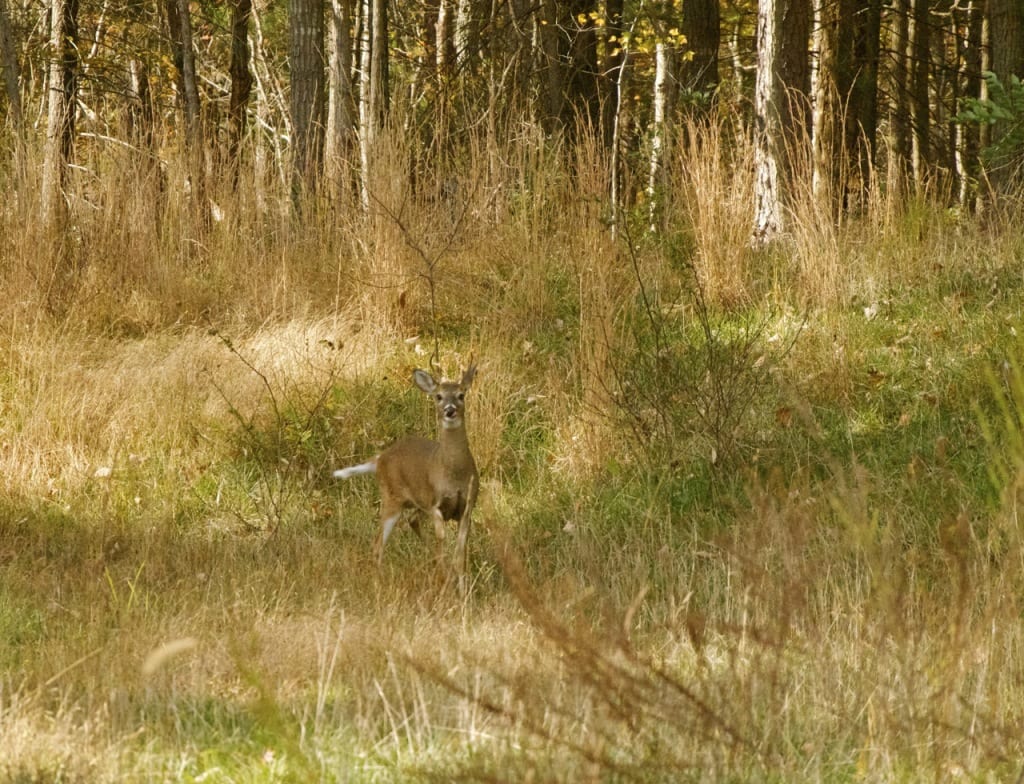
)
(690, 374)
(1003, 110)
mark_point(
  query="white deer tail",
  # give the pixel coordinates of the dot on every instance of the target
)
(363, 468)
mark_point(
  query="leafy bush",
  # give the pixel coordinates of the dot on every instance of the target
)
(1002, 110)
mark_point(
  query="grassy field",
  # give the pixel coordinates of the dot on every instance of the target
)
(745, 516)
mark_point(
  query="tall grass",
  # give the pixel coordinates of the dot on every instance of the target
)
(817, 580)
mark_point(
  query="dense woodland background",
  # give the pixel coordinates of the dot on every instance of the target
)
(895, 95)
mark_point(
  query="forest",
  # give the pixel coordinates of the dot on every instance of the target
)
(742, 285)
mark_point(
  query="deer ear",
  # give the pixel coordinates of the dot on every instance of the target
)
(467, 377)
(424, 381)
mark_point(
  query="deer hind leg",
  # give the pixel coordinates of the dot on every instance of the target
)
(389, 514)
(414, 524)
(462, 543)
(438, 517)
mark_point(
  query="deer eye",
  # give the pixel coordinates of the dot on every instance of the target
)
(437, 397)
(462, 396)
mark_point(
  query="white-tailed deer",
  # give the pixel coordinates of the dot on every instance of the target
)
(438, 477)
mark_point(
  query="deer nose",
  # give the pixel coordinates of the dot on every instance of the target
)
(450, 411)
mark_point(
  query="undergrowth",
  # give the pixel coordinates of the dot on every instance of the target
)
(741, 518)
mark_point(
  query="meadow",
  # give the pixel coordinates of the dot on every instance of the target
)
(746, 515)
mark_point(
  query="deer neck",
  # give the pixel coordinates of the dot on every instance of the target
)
(454, 443)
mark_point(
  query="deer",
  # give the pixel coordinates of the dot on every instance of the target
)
(437, 477)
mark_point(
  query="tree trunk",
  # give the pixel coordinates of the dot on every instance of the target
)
(664, 90)
(444, 39)
(969, 77)
(780, 106)
(241, 83)
(845, 91)
(340, 112)
(552, 68)
(179, 22)
(899, 108)
(306, 74)
(702, 28)
(467, 34)
(611, 67)
(793, 63)
(60, 115)
(828, 103)
(920, 53)
(1006, 38)
(860, 138)
(373, 88)
(584, 99)
(1006, 25)
(140, 116)
(9, 65)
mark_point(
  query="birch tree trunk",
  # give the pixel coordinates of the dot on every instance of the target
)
(781, 107)
(664, 90)
(828, 108)
(769, 95)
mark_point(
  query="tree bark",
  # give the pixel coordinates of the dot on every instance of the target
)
(179, 22)
(60, 115)
(845, 91)
(664, 90)
(373, 88)
(899, 89)
(920, 53)
(1006, 25)
(1006, 38)
(241, 83)
(611, 68)
(306, 107)
(9, 65)
(780, 106)
(341, 121)
(702, 27)
(141, 116)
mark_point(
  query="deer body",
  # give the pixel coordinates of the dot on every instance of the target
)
(438, 477)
